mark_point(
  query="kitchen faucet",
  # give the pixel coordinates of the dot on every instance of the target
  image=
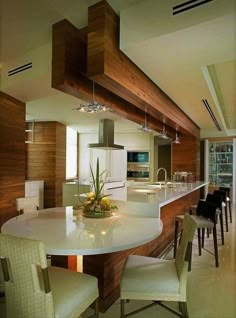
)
(164, 172)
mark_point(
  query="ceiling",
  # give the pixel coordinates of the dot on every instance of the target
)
(190, 56)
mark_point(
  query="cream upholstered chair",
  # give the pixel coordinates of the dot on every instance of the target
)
(27, 204)
(159, 280)
(34, 290)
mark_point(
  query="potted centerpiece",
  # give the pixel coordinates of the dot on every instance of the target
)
(97, 204)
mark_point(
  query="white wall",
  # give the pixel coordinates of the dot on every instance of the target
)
(115, 161)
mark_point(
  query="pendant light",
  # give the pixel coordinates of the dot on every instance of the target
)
(163, 133)
(144, 126)
(177, 140)
(93, 107)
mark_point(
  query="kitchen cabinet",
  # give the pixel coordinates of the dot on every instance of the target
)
(114, 162)
(116, 190)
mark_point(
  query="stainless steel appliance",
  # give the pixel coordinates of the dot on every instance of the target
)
(138, 165)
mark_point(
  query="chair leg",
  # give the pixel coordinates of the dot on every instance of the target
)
(190, 257)
(176, 237)
(230, 212)
(215, 246)
(122, 308)
(203, 237)
(222, 229)
(96, 308)
(226, 219)
(208, 233)
(199, 241)
(183, 309)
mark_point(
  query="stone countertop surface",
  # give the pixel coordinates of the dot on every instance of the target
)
(161, 194)
(64, 232)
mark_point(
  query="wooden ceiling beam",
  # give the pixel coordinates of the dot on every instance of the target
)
(112, 69)
(69, 69)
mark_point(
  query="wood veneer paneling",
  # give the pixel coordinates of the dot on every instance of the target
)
(186, 156)
(112, 69)
(12, 155)
(108, 267)
(69, 68)
(46, 160)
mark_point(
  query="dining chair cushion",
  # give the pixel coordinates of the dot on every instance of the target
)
(80, 290)
(201, 222)
(27, 204)
(147, 278)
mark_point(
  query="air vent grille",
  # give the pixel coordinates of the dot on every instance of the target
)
(208, 108)
(20, 69)
(188, 5)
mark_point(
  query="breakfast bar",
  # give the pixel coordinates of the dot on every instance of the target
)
(167, 201)
(143, 225)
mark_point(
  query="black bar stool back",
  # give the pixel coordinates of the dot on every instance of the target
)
(223, 195)
(228, 200)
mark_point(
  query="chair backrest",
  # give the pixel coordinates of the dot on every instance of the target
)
(215, 199)
(225, 189)
(27, 204)
(183, 252)
(26, 285)
(223, 194)
(207, 209)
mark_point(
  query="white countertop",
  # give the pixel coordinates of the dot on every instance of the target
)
(163, 195)
(65, 234)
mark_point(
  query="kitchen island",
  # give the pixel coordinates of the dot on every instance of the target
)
(166, 202)
(160, 193)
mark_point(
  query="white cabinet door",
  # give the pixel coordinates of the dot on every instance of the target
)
(118, 164)
(116, 190)
(114, 162)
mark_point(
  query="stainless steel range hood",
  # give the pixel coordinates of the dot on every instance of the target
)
(106, 136)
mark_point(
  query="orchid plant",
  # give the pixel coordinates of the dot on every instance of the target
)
(96, 200)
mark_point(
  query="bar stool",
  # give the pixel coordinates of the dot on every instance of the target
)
(228, 200)
(224, 205)
(217, 200)
(205, 218)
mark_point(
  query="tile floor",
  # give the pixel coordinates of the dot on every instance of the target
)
(211, 291)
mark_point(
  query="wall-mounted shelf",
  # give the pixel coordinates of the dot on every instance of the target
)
(220, 165)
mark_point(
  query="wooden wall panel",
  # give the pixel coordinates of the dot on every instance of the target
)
(108, 267)
(186, 156)
(46, 160)
(12, 155)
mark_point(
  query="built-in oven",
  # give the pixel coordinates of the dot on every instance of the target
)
(138, 165)
(141, 157)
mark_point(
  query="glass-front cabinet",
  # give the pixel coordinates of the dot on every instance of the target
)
(220, 168)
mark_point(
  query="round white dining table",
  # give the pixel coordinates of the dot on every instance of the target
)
(64, 233)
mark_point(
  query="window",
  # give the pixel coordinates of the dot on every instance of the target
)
(71, 153)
